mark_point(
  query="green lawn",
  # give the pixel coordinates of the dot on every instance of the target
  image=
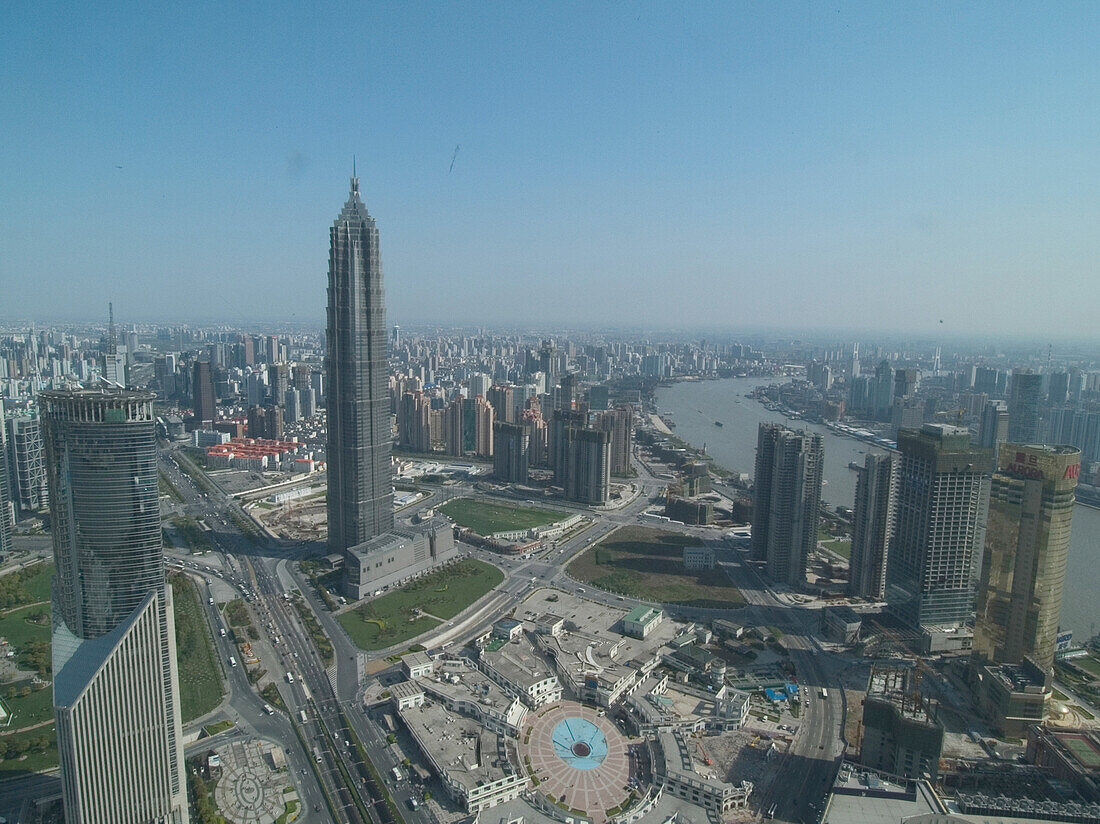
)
(27, 586)
(648, 563)
(841, 546)
(390, 619)
(485, 518)
(27, 710)
(200, 676)
(26, 752)
(25, 627)
(218, 726)
(1088, 663)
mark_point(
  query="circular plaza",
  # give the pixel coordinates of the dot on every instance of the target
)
(579, 758)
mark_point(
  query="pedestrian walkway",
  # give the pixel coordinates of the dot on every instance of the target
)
(254, 787)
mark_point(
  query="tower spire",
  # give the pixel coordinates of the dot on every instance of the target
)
(112, 338)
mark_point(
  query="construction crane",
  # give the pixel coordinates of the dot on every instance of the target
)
(703, 752)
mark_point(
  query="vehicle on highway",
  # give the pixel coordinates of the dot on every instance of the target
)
(302, 716)
(223, 632)
(290, 677)
(269, 709)
(232, 661)
(397, 776)
(413, 804)
(824, 693)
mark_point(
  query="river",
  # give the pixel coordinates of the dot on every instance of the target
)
(695, 405)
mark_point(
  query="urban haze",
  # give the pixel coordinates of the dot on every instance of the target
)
(429, 414)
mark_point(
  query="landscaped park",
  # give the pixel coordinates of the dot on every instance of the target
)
(648, 564)
(486, 518)
(30, 745)
(421, 605)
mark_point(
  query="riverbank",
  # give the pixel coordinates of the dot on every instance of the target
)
(695, 405)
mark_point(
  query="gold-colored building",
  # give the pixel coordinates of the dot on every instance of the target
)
(1026, 549)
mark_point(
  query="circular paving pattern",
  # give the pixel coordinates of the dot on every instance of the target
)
(579, 758)
(579, 743)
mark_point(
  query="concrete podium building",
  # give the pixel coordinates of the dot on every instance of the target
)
(116, 690)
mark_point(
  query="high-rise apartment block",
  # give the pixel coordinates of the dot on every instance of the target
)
(906, 382)
(502, 398)
(1026, 552)
(943, 494)
(483, 415)
(412, 422)
(559, 440)
(511, 448)
(873, 525)
(1025, 394)
(116, 691)
(786, 500)
(453, 419)
(360, 474)
(620, 423)
(588, 466)
(278, 381)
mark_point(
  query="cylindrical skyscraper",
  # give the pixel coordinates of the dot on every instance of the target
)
(116, 692)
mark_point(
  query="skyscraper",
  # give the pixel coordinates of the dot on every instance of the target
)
(116, 691)
(1026, 551)
(873, 525)
(112, 362)
(993, 429)
(7, 509)
(1024, 396)
(786, 500)
(202, 388)
(360, 477)
(511, 448)
(620, 423)
(588, 465)
(27, 468)
(1058, 388)
(943, 495)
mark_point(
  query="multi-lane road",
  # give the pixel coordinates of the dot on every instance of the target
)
(334, 780)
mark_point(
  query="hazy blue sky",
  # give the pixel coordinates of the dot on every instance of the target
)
(876, 165)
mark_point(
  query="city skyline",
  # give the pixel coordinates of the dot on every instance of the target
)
(850, 169)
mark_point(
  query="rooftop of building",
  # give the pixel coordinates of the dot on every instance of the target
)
(642, 614)
(462, 747)
(843, 612)
(460, 680)
(406, 689)
(864, 798)
(1022, 678)
(897, 686)
(1082, 747)
(416, 659)
(518, 662)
